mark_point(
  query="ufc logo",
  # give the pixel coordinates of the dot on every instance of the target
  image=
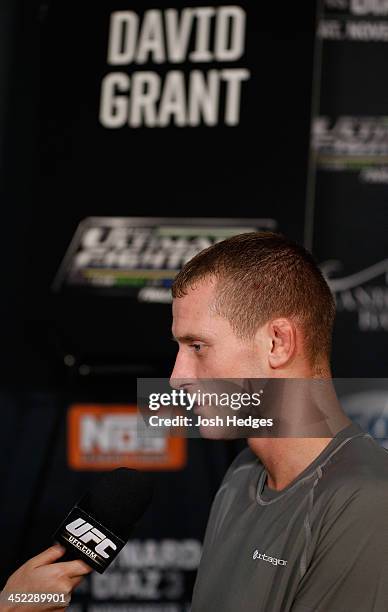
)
(86, 533)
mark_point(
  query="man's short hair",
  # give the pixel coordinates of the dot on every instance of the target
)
(261, 276)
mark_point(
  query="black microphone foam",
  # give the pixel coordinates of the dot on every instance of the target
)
(100, 524)
(118, 499)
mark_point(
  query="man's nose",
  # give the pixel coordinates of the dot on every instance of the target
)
(183, 373)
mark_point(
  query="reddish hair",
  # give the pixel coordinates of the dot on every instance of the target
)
(261, 276)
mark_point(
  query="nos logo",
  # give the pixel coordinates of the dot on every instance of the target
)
(86, 533)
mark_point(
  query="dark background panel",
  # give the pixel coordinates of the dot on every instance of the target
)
(63, 166)
(350, 195)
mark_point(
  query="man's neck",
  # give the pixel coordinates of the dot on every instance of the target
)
(286, 458)
(309, 416)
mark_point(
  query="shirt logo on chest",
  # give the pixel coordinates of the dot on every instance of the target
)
(267, 558)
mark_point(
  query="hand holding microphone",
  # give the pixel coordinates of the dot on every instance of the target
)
(90, 537)
(44, 574)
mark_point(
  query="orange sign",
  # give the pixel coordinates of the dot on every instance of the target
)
(104, 437)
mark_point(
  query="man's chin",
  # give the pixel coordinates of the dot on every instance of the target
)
(215, 432)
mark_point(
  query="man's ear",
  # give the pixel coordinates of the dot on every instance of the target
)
(282, 334)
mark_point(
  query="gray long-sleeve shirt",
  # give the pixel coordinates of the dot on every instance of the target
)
(319, 545)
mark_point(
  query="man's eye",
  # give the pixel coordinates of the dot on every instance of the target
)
(196, 347)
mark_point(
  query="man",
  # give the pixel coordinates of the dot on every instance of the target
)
(298, 524)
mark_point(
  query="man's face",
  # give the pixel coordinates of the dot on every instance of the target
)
(208, 346)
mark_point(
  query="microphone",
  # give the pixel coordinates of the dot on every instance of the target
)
(100, 523)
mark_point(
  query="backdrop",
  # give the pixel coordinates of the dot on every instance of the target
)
(132, 136)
